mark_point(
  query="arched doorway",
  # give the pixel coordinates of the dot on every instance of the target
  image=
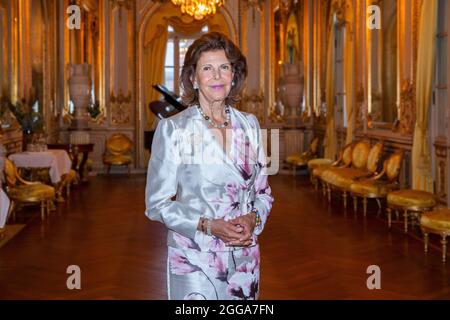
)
(152, 42)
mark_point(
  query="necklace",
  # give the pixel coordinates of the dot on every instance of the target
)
(215, 125)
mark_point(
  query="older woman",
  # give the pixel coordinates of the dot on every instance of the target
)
(211, 157)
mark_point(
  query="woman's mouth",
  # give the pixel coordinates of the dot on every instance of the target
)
(218, 87)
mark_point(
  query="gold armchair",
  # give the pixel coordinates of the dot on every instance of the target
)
(118, 152)
(21, 191)
(300, 160)
(365, 161)
(378, 186)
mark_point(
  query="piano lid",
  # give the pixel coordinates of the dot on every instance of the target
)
(170, 97)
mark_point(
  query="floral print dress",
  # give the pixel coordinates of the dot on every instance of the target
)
(206, 181)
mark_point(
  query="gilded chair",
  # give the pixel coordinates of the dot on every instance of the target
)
(437, 222)
(118, 152)
(317, 163)
(301, 160)
(67, 180)
(22, 192)
(365, 161)
(378, 186)
(411, 202)
(318, 168)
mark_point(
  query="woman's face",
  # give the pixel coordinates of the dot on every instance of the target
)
(213, 76)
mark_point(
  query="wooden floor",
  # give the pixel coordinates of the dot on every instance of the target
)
(310, 250)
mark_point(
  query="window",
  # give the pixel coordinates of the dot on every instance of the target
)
(177, 46)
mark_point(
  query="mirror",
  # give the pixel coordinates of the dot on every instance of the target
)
(8, 87)
(37, 46)
(288, 79)
(4, 28)
(383, 65)
(84, 46)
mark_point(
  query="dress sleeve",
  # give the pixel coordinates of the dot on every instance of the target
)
(162, 183)
(263, 193)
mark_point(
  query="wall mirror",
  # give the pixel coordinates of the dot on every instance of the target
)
(288, 54)
(8, 85)
(84, 46)
(383, 68)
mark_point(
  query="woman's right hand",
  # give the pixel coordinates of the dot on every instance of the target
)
(226, 231)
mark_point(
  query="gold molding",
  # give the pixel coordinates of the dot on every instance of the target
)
(254, 5)
(121, 111)
(407, 107)
(415, 25)
(130, 6)
(254, 103)
(359, 105)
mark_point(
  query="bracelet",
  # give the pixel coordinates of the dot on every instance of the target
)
(258, 220)
(208, 227)
(202, 225)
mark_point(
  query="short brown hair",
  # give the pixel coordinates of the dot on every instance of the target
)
(213, 41)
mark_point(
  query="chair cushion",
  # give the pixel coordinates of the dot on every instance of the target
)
(317, 172)
(315, 163)
(32, 193)
(436, 219)
(372, 188)
(360, 155)
(298, 159)
(293, 158)
(119, 144)
(374, 157)
(117, 159)
(411, 198)
(342, 177)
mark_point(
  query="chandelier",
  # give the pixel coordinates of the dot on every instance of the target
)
(198, 8)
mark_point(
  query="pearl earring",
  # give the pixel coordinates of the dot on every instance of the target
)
(195, 86)
(232, 83)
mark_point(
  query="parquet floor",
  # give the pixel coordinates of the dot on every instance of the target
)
(310, 250)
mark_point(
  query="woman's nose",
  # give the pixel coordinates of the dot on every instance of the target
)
(217, 74)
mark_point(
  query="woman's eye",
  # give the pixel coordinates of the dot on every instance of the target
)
(207, 68)
(226, 67)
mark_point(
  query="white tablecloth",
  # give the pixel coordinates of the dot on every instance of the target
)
(57, 160)
(4, 206)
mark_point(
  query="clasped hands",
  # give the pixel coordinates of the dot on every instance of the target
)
(235, 232)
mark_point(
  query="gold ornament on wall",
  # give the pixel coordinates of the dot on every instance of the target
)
(120, 108)
(254, 104)
(255, 5)
(407, 107)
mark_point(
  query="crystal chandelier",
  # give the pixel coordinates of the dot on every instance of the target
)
(198, 8)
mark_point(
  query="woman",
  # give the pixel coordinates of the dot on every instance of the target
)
(211, 157)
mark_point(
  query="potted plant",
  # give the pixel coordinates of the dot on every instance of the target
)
(26, 112)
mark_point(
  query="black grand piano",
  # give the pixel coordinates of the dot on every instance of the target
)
(171, 105)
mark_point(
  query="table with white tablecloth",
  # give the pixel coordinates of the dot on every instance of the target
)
(58, 162)
(4, 207)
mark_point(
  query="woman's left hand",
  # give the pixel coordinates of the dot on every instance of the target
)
(247, 222)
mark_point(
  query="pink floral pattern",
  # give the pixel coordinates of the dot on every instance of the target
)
(180, 264)
(216, 278)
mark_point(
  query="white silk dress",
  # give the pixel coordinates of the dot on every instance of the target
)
(191, 176)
